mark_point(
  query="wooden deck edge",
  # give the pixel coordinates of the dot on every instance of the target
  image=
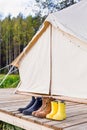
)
(27, 125)
(82, 127)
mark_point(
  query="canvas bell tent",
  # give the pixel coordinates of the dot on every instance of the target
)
(55, 60)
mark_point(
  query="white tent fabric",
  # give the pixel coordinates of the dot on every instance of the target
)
(72, 20)
(57, 62)
(69, 66)
(35, 67)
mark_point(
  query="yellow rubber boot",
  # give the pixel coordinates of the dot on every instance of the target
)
(54, 109)
(61, 113)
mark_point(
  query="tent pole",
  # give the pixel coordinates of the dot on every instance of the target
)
(50, 87)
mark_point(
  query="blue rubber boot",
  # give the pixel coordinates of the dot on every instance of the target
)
(29, 105)
(37, 104)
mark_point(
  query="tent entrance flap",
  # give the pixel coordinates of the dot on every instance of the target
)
(35, 66)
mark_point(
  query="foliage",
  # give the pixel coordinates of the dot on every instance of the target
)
(50, 6)
(15, 34)
(6, 126)
(10, 82)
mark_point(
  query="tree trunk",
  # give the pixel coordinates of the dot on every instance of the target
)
(9, 50)
(7, 55)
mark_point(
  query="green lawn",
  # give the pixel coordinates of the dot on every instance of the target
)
(10, 82)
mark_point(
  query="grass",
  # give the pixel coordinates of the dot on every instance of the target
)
(10, 82)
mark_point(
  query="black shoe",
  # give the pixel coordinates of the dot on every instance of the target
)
(29, 105)
(34, 107)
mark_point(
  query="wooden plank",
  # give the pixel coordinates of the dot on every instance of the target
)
(77, 127)
(70, 122)
(37, 120)
(76, 108)
(73, 120)
(14, 102)
(71, 103)
(75, 105)
(75, 113)
(6, 90)
(21, 122)
(11, 96)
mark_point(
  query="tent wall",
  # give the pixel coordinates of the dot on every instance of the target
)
(69, 66)
(35, 66)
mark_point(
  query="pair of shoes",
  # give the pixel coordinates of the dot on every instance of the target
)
(29, 105)
(58, 111)
(44, 109)
(37, 104)
(34, 105)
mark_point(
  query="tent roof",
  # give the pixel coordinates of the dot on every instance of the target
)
(72, 20)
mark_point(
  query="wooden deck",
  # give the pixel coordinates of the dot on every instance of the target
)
(10, 102)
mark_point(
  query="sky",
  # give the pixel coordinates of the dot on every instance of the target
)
(14, 7)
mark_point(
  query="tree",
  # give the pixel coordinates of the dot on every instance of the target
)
(49, 6)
